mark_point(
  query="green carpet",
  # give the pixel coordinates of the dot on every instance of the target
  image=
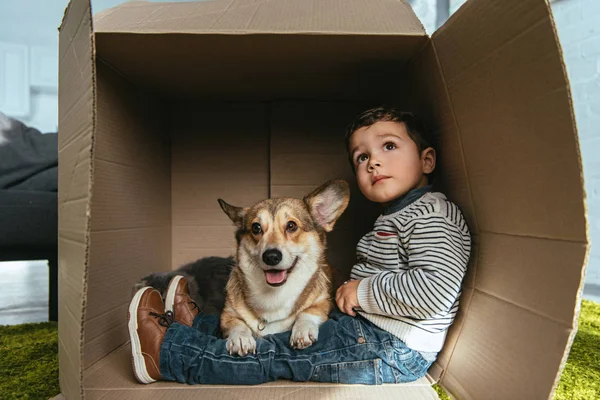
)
(29, 362)
(581, 377)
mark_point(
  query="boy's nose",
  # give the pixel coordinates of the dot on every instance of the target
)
(374, 164)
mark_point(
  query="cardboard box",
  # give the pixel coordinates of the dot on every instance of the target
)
(166, 107)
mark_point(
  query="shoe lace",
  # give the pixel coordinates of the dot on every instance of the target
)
(165, 319)
(194, 305)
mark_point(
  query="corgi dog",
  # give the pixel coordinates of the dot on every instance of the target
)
(280, 280)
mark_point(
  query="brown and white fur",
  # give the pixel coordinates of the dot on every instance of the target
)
(281, 279)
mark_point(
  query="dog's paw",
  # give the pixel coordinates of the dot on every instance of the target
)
(304, 334)
(241, 342)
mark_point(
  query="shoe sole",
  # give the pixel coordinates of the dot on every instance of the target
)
(137, 358)
(171, 290)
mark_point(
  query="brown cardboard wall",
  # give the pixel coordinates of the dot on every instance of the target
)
(219, 150)
(76, 121)
(131, 222)
(217, 67)
(430, 101)
(507, 84)
(510, 98)
(541, 275)
(505, 352)
(252, 16)
(491, 87)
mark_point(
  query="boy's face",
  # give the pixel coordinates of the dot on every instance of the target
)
(387, 162)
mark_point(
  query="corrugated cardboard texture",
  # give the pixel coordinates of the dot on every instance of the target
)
(184, 119)
(510, 98)
(506, 81)
(131, 218)
(260, 16)
(288, 66)
(76, 127)
(505, 352)
(218, 151)
(430, 101)
(214, 67)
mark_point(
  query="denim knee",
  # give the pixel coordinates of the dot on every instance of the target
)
(208, 324)
(366, 372)
(410, 363)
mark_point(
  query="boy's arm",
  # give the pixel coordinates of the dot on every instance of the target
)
(438, 253)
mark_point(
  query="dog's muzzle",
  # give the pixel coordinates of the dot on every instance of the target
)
(277, 277)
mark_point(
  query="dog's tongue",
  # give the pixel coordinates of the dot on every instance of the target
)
(274, 276)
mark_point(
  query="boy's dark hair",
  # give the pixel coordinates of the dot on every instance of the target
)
(415, 129)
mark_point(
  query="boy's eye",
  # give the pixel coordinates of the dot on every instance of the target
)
(389, 146)
(361, 158)
(291, 227)
(256, 228)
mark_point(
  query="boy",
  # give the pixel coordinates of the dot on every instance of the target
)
(404, 288)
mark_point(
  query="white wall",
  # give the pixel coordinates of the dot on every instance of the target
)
(578, 25)
(426, 10)
(32, 74)
(32, 26)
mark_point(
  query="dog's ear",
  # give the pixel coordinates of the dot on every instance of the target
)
(236, 214)
(327, 202)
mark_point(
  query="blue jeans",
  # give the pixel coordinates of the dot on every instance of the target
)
(348, 350)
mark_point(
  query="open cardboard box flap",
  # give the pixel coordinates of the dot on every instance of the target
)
(166, 107)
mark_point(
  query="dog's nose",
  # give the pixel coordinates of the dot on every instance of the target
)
(272, 257)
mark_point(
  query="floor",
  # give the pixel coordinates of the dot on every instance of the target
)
(23, 292)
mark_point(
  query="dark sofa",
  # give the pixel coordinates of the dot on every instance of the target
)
(28, 199)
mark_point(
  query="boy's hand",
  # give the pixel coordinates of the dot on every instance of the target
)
(346, 297)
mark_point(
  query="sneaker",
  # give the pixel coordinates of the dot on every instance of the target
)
(179, 302)
(148, 323)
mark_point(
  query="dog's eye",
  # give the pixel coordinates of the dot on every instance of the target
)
(256, 228)
(291, 226)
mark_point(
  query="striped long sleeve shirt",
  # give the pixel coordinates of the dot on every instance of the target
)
(411, 267)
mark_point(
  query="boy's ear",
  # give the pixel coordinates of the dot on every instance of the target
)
(428, 160)
(236, 214)
(327, 203)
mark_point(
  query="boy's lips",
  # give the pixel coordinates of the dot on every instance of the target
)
(378, 178)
